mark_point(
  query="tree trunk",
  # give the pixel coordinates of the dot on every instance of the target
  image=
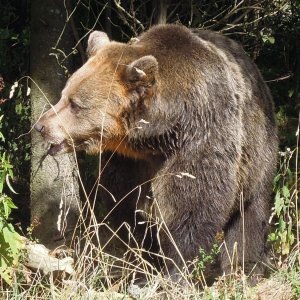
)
(54, 185)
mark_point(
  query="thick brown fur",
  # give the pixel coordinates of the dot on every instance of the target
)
(176, 100)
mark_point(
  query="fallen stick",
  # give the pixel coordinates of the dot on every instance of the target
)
(38, 257)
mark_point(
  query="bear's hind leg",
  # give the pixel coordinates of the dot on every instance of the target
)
(245, 238)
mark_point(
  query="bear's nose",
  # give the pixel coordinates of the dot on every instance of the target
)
(39, 127)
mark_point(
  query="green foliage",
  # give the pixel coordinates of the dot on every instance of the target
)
(14, 61)
(10, 241)
(284, 209)
(14, 121)
(267, 37)
(207, 258)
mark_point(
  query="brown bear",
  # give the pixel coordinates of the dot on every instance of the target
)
(187, 128)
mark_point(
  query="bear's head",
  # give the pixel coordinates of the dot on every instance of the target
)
(96, 106)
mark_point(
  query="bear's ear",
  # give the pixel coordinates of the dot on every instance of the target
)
(97, 40)
(142, 71)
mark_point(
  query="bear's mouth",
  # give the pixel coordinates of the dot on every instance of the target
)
(56, 148)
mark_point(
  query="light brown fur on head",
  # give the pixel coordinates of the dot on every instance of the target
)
(88, 115)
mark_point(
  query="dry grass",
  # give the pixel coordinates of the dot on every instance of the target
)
(103, 272)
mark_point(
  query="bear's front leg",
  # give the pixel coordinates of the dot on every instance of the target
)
(194, 199)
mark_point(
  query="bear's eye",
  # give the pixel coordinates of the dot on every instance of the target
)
(74, 106)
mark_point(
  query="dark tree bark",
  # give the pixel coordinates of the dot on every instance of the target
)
(54, 186)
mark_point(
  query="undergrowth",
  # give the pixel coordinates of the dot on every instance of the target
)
(102, 272)
(10, 241)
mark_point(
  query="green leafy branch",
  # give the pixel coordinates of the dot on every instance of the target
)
(284, 209)
(10, 240)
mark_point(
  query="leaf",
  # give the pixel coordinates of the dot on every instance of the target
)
(276, 179)
(291, 93)
(7, 209)
(267, 38)
(278, 203)
(10, 203)
(18, 108)
(281, 225)
(285, 192)
(271, 39)
(285, 248)
(12, 238)
(289, 175)
(5, 275)
(1, 184)
(272, 237)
